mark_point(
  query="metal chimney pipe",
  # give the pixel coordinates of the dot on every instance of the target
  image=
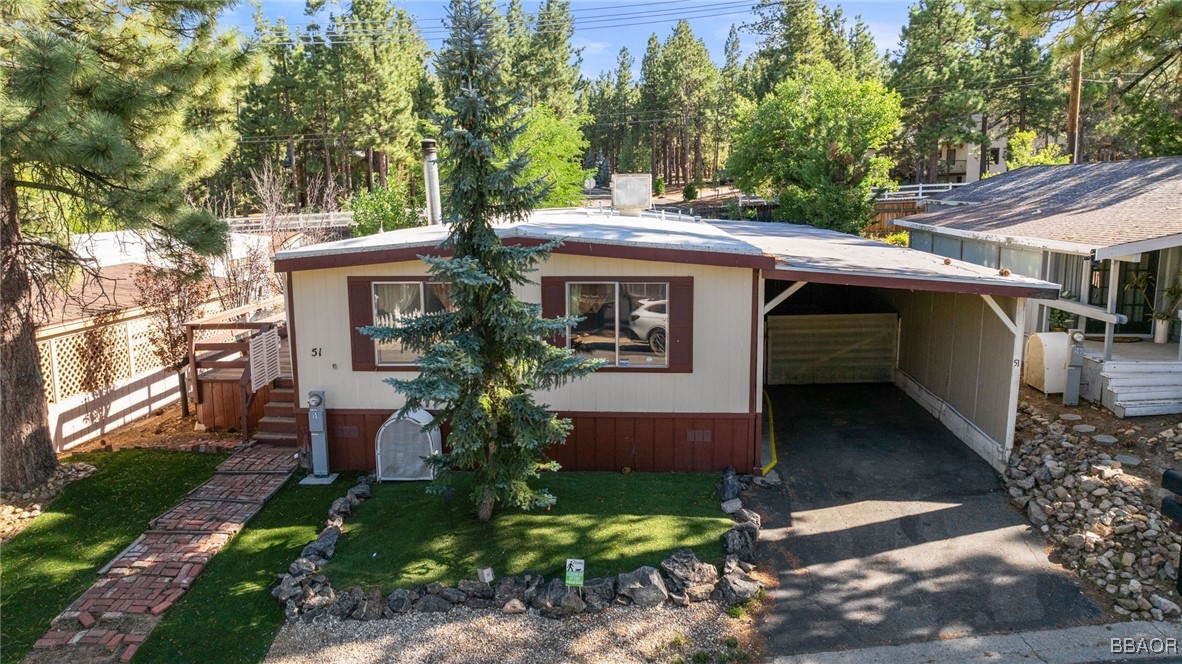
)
(431, 181)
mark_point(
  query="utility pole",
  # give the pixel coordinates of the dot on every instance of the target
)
(1073, 107)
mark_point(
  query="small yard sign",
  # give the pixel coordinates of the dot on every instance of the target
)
(574, 572)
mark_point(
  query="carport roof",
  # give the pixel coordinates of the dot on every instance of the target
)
(805, 253)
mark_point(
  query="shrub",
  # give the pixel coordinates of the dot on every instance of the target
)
(690, 192)
(659, 186)
(898, 238)
(384, 209)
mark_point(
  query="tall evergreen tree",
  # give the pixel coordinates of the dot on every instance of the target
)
(553, 74)
(484, 357)
(791, 37)
(867, 63)
(111, 110)
(936, 73)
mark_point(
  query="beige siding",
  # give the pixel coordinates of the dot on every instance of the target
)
(722, 341)
(957, 348)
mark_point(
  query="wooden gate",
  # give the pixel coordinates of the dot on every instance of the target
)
(846, 348)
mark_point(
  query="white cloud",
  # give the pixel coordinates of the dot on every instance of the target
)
(590, 47)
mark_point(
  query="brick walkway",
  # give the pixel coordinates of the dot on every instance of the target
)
(114, 616)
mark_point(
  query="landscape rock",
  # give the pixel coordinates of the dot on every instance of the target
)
(369, 607)
(454, 595)
(644, 586)
(685, 571)
(748, 516)
(1128, 460)
(731, 506)
(324, 546)
(341, 506)
(362, 490)
(347, 602)
(476, 588)
(1105, 439)
(514, 606)
(401, 600)
(301, 567)
(510, 587)
(432, 604)
(1164, 605)
(740, 541)
(729, 487)
(737, 587)
(599, 593)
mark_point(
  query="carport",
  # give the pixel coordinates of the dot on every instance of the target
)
(845, 309)
(876, 361)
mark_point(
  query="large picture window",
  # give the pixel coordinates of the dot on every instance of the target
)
(625, 324)
(394, 301)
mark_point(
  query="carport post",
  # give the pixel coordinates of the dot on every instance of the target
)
(1109, 326)
(1018, 330)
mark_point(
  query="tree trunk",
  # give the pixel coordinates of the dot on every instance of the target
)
(934, 167)
(26, 448)
(983, 167)
(484, 510)
(180, 379)
(295, 177)
(369, 169)
(384, 168)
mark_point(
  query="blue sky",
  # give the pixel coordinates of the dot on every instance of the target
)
(602, 27)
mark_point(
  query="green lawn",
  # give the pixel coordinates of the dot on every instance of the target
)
(615, 522)
(229, 614)
(55, 559)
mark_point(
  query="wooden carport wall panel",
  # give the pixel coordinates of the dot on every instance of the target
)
(933, 354)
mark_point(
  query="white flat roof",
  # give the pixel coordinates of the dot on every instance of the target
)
(780, 250)
(576, 225)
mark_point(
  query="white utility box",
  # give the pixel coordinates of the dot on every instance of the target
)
(1046, 361)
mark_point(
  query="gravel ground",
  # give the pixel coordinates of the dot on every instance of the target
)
(620, 634)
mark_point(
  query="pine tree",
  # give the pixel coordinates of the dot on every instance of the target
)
(484, 357)
(553, 74)
(835, 43)
(111, 110)
(790, 38)
(867, 63)
(936, 74)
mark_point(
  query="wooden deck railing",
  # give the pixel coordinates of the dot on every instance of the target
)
(219, 349)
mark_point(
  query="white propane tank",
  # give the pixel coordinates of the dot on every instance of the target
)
(1046, 361)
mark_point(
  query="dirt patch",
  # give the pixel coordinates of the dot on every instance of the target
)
(1141, 437)
(164, 428)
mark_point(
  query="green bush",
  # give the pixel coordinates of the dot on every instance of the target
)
(898, 238)
(690, 192)
(659, 186)
(384, 209)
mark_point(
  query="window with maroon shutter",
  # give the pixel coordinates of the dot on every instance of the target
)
(386, 301)
(634, 324)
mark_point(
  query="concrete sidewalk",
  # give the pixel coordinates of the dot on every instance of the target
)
(1137, 642)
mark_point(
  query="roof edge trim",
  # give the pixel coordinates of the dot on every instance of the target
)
(1011, 240)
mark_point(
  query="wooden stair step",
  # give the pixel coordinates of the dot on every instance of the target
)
(279, 409)
(275, 438)
(278, 424)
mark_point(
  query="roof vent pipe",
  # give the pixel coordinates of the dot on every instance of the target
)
(431, 181)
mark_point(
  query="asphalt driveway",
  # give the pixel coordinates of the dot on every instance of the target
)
(888, 529)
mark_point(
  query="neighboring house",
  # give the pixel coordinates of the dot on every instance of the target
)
(693, 319)
(1096, 229)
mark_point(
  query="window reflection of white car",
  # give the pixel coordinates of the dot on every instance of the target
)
(650, 321)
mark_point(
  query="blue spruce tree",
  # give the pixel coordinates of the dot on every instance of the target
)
(484, 356)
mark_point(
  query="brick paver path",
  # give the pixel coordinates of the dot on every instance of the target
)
(114, 616)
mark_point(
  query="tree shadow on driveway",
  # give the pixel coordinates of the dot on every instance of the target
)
(889, 530)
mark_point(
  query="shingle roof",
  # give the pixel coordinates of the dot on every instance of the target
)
(1093, 205)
